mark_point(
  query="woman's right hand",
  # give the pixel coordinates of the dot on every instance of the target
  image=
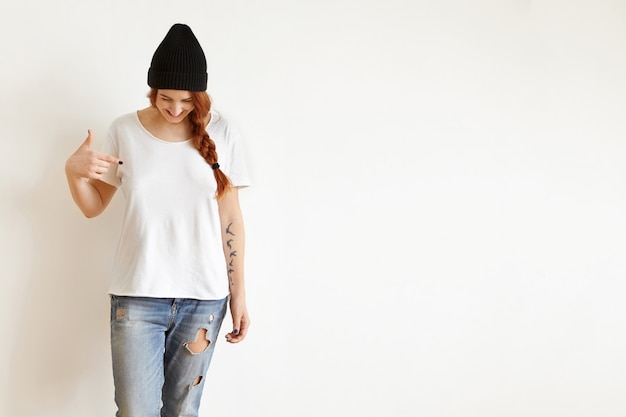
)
(85, 163)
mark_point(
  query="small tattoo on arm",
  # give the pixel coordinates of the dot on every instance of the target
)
(232, 254)
(230, 276)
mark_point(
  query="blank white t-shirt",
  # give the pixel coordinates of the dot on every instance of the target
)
(171, 243)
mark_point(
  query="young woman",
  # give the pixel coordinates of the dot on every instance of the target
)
(179, 260)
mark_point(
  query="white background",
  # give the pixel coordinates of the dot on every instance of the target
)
(436, 226)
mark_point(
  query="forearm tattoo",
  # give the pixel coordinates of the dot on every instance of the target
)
(231, 256)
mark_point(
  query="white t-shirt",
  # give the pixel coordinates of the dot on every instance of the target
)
(171, 242)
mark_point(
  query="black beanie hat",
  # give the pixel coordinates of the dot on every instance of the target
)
(179, 62)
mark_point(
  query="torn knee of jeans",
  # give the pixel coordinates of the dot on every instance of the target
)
(196, 382)
(200, 344)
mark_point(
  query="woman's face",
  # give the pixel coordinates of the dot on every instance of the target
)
(174, 105)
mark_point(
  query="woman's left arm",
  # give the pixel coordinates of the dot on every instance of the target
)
(233, 241)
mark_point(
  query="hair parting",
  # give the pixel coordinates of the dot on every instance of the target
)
(200, 137)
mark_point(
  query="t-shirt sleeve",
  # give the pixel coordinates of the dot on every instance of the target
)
(235, 166)
(110, 147)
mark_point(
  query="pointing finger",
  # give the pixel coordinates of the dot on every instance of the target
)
(110, 159)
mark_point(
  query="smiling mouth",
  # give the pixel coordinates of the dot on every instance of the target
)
(175, 116)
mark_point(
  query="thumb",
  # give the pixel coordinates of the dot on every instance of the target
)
(87, 142)
(236, 325)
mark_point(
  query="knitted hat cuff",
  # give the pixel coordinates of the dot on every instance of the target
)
(177, 80)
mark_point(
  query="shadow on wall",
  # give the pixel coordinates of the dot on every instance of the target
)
(60, 338)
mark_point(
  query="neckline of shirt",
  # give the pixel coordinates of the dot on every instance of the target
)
(147, 132)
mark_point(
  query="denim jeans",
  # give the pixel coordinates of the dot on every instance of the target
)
(161, 350)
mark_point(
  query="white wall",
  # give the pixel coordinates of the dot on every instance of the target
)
(436, 226)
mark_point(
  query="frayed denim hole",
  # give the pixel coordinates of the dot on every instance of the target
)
(201, 343)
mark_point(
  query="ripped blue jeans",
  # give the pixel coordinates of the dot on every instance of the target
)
(161, 350)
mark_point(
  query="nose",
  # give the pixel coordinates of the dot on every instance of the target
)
(177, 109)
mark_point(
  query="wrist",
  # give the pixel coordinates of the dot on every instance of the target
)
(237, 293)
(70, 175)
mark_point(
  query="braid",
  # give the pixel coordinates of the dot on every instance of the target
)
(201, 139)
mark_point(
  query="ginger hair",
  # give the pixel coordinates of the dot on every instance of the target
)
(200, 137)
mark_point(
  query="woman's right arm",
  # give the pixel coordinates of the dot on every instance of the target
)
(91, 196)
